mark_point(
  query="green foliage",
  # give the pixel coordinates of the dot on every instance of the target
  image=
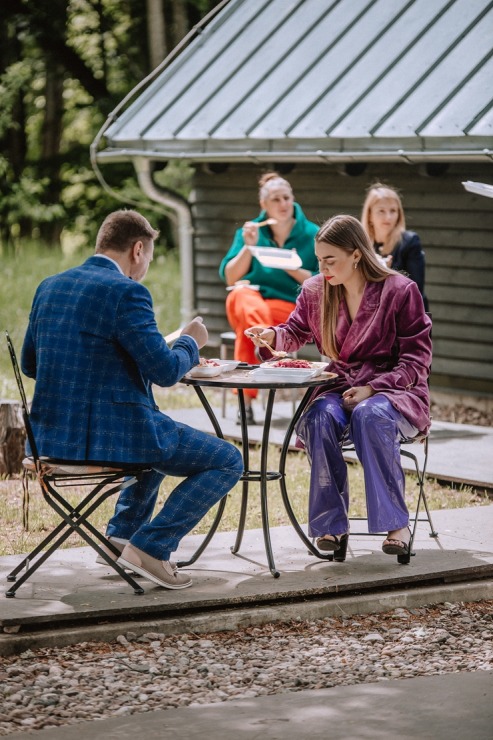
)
(24, 201)
(12, 82)
(24, 270)
(71, 61)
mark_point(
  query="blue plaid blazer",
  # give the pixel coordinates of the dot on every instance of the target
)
(94, 348)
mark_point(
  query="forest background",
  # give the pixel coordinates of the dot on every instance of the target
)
(65, 65)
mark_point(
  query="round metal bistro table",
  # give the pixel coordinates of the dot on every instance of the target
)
(241, 379)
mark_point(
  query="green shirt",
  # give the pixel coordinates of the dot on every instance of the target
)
(273, 282)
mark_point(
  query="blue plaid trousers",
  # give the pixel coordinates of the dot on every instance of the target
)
(210, 467)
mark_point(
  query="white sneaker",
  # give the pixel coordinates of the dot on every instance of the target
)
(158, 571)
(120, 546)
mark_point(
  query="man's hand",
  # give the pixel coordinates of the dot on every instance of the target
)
(197, 329)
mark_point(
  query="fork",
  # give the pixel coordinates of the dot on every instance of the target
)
(275, 352)
(267, 222)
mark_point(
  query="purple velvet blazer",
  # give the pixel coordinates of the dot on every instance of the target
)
(387, 346)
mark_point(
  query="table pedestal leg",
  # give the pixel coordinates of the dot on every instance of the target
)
(282, 482)
(242, 519)
(263, 483)
(222, 503)
(263, 476)
(246, 468)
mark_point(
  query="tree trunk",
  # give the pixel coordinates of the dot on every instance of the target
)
(51, 136)
(156, 32)
(180, 21)
(12, 437)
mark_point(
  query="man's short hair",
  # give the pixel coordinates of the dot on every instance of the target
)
(121, 229)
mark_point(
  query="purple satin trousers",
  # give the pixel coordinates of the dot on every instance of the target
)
(375, 428)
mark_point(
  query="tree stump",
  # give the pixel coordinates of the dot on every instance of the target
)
(12, 437)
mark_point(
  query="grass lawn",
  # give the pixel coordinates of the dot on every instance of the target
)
(15, 540)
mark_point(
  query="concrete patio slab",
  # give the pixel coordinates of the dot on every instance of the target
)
(71, 598)
(447, 707)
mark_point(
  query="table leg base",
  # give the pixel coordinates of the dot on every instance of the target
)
(329, 557)
(272, 569)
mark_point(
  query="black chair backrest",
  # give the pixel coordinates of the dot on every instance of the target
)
(22, 393)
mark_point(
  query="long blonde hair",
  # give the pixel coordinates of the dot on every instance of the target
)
(376, 193)
(347, 233)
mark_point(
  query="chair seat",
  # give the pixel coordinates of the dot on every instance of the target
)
(56, 467)
(412, 440)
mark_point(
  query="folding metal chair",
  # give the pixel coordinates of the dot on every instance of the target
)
(420, 474)
(55, 475)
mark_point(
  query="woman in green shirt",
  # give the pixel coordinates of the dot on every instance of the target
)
(263, 295)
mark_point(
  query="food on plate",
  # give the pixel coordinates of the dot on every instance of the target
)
(204, 362)
(291, 363)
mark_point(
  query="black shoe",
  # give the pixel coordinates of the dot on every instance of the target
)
(338, 546)
(401, 548)
(248, 416)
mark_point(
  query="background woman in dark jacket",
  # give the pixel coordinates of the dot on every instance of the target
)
(383, 220)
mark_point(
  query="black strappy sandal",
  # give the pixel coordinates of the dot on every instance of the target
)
(338, 545)
(392, 546)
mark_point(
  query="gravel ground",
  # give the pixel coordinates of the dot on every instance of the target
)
(461, 413)
(63, 686)
(51, 687)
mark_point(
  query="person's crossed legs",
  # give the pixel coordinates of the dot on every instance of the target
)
(210, 467)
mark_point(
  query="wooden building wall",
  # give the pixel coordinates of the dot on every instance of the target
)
(456, 229)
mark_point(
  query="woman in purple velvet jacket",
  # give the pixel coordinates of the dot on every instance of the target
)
(371, 322)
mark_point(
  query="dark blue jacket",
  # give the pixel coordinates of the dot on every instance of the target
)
(94, 348)
(408, 257)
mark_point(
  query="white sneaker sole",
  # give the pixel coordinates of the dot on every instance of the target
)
(101, 561)
(150, 576)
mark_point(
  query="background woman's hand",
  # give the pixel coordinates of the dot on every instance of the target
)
(250, 233)
(355, 395)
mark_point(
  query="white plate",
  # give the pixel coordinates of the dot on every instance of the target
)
(227, 365)
(211, 371)
(243, 285)
(315, 368)
(283, 374)
(479, 188)
(282, 259)
(205, 371)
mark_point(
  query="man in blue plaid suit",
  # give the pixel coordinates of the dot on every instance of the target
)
(94, 348)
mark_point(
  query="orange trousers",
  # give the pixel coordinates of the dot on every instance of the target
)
(246, 307)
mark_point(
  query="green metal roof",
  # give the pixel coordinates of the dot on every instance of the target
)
(322, 80)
